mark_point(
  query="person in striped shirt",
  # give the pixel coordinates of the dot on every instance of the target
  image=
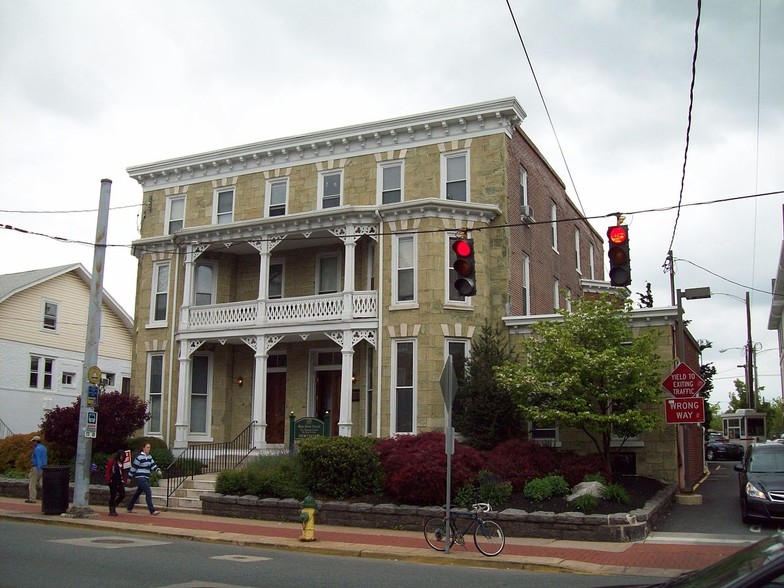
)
(142, 468)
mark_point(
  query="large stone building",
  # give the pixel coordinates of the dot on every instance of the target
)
(313, 273)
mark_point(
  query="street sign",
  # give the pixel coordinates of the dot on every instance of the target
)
(683, 382)
(684, 410)
(448, 383)
(91, 429)
(92, 394)
(94, 374)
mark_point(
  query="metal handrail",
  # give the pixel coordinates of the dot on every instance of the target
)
(207, 458)
(5, 431)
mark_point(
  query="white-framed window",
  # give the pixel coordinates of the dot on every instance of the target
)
(578, 262)
(160, 294)
(68, 379)
(454, 176)
(523, 186)
(328, 274)
(404, 404)
(154, 394)
(175, 214)
(451, 275)
(41, 369)
(554, 225)
(404, 271)
(224, 206)
(51, 310)
(275, 287)
(591, 262)
(556, 295)
(459, 351)
(203, 284)
(108, 379)
(526, 285)
(390, 182)
(330, 189)
(277, 196)
(568, 300)
(201, 391)
(543, 433)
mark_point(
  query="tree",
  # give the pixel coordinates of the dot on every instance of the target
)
(646, 300)
(739, 398)
(485, 414)
(118, 417)
(590, 372)
(707, 371)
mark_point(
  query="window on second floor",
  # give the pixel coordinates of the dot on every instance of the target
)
(203, 284)
(578, 261)
(160, 293)
(277, 197)
(224, 206)
(523, 186)
(404, 272)
(454, 174)
(331, 189)
(175, 214)
(275, 289)
(591, 262)
(50, 316)
(554, 225)
(390, 182)
(328, 274)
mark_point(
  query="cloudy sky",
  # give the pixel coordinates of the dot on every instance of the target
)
(88, 88)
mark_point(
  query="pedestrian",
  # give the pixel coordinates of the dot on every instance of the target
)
(117, 481)
(39, 460)
(142, 468)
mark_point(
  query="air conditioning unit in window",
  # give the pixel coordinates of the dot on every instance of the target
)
(526, 213)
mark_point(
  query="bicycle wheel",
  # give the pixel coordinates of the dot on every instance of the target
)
(489, 538)
(435, 534)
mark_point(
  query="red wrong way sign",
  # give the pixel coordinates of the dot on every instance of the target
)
(683, 382)
(684, 410)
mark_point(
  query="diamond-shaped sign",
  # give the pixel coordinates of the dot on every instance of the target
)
(683, 382)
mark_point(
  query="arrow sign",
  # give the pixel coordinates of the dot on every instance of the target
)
(683, 382)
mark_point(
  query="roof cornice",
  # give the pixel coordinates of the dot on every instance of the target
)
(484, 118)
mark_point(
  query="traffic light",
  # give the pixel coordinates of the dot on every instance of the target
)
(620, 270)
(464, 266)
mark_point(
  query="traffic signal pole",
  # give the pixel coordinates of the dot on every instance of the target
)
(84, 444)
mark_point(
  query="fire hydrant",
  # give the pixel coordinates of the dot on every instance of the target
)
(307, 515)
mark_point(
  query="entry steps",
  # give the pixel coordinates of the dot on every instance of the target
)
(187, 497)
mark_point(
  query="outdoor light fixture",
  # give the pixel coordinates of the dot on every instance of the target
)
(240, 380)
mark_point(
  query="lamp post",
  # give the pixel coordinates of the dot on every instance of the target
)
(750, 351)
(688, 294)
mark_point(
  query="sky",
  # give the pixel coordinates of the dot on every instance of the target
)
(89, 88)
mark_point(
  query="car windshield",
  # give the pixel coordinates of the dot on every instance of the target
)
(736, 566)
(766, 461)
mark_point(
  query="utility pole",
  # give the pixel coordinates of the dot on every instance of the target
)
(84, 444)
(749, 358)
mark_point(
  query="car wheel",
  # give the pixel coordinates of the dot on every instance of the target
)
(709, 454)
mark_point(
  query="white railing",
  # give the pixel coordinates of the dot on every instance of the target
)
(326, 307)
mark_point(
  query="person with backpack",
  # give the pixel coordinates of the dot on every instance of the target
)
(115, 477)
(142, 468)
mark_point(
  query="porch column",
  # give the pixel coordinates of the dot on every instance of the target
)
(347, 370)
(350, 246)
(187, 288)
(264, 259)
(182, 425)
(259, 409)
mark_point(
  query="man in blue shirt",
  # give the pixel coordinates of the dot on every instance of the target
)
(39, 460)
(141, 469)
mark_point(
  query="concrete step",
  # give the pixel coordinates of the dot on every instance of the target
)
(187, 496)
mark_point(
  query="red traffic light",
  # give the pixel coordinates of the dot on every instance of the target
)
(462, 248)
(617, 235)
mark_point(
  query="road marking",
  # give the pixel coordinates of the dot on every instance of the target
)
(197, 584)
(110, 542)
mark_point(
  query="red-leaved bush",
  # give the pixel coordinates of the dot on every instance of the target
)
(415, 467)
(574, 467)
(518, 461)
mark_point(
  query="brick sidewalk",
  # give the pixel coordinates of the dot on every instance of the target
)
(642, 558)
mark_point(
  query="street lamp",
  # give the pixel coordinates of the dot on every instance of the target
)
(688, 294)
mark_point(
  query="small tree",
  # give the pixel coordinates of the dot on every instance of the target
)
(485, 414)
(589, 371)
(118, 417)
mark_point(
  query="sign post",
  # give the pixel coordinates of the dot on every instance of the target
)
(448, 383)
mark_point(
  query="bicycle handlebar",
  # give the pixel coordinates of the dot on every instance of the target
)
(482, 507)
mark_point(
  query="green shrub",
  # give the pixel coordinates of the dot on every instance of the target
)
(232, 482)
(15, 452)
(597, 477)
(586, 503)
(492, 489)
(540, 489)
(341, 467)
(466, 496)
(276, 476)
(615, 493)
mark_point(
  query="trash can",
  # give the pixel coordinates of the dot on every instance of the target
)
(55, 490)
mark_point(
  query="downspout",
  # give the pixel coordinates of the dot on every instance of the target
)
(380, 337)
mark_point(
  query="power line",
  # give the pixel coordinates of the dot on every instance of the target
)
(688, 125)
(723, 278)
(67, 211)
(544, 103)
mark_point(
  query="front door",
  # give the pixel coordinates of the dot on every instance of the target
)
(276, 407)
(328, 397)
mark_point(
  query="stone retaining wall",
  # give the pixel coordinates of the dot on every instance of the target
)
(621, 527)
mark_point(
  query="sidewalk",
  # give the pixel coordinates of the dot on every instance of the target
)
(663, 556)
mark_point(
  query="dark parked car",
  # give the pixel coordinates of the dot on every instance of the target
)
(761, 480)
(760, 564)
(723, 448)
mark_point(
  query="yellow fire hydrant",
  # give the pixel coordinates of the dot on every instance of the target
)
(307, 515)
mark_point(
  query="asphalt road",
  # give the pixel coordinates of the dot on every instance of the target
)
(719, 513)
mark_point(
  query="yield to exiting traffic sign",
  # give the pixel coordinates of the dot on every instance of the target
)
(683, 382)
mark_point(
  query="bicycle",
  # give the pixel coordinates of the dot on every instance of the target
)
(488, 535)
